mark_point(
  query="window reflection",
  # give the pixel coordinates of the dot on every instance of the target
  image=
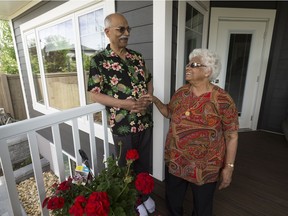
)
(92, 39)
(58, 54)
(31, 44)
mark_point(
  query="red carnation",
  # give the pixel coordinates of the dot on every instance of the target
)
(55, 203)
(132, 155)
(144, 183)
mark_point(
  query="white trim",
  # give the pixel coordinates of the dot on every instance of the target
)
(65, 9)
(162, 40)
(203, 8)
(20, 71)
(264, 15)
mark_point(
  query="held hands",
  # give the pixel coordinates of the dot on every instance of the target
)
(140, 105)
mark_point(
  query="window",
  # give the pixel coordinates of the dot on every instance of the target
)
(58, 50)
(192, 33)
(237, 64)
(193, 30)
(59, 63)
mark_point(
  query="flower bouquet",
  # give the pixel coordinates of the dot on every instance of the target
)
(114, 192)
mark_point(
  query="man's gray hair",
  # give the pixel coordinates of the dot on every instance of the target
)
(108, 19)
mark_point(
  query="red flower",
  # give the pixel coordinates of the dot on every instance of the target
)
(55, 203)
(65, 185)
(132, 155)
(95, 209)
(80, 199)
(98, 204)
(45, 202)
(144, 183)
(76, 209)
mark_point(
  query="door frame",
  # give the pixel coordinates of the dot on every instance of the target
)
(235, 14)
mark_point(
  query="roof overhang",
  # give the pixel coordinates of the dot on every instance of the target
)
(12, 9)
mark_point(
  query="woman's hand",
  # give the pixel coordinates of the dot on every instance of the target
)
(225, 177)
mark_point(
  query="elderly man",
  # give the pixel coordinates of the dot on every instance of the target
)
(118, 79)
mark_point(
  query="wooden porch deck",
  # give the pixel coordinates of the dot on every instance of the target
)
(260, 180)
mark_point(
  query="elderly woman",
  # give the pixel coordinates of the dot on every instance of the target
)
(202, 139)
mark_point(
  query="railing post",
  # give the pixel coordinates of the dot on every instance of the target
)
(9, 178)
(37, 168)
(105, 139)
(92, 143)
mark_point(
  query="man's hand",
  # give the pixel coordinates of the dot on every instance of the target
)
(136, 106)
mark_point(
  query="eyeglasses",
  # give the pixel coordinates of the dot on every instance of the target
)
(195, 65)
(122, 29)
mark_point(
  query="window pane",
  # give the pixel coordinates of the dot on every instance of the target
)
(92, 39)
(31, 43)
(193, 31)
(58, 54)
(239, 50)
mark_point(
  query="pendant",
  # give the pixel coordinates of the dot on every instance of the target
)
(187, 113)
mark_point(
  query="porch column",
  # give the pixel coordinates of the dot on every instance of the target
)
(162, 42)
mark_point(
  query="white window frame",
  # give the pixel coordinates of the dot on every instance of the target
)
(67, 11)
(203, 8)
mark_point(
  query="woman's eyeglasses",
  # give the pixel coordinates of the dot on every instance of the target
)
(122, 29)
(195, 65)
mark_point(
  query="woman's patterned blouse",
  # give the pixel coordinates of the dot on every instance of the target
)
(195, 145)
(122, 79)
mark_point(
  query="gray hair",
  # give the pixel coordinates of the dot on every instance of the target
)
(108, 19)
(210, 59)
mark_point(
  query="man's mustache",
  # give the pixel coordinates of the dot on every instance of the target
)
(124, 37)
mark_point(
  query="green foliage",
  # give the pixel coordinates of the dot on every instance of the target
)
(8, 63)
(117, 182)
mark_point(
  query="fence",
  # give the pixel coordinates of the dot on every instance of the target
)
(11, 97)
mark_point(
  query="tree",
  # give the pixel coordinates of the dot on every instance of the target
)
(8, 63)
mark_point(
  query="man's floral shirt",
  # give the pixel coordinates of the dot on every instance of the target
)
(122, 79)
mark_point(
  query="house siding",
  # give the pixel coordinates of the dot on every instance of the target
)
(140, 18)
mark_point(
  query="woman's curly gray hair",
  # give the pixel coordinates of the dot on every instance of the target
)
(210, 59)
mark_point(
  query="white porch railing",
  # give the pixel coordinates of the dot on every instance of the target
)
(29, 127)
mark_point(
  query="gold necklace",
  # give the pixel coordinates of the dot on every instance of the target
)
(187, 113)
